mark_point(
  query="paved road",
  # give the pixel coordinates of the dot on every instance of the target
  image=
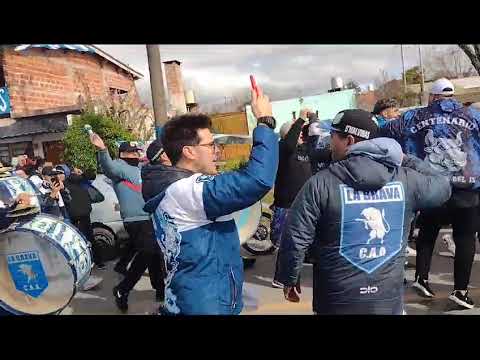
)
(258, 279)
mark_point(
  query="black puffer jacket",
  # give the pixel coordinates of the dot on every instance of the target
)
(356, 214)
(80, 203)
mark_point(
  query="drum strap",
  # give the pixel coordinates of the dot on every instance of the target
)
(132, 186)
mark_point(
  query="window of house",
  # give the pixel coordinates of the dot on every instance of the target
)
(118, 93)
(9, 151)
(4, 154)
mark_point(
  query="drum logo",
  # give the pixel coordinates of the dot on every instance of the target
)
(27, 273)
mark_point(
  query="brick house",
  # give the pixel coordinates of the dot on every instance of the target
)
(41, 85)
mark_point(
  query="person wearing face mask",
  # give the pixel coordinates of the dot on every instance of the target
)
(386, 110)
(127, 184)
(192, 211)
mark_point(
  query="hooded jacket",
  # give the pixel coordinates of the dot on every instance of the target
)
(446, 136)
(356, 214)
(196, 232)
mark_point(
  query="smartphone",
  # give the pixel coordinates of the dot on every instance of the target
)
(254, 84)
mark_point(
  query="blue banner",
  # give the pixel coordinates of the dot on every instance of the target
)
(4, 101)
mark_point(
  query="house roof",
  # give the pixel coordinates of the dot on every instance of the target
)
(10, 128)
(83, 48)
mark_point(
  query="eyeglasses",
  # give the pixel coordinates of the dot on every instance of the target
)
(212, 146)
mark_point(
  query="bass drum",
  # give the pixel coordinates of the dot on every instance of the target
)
(10, 188)
(43, 263)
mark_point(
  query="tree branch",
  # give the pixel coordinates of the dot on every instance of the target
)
(474, 58)
(477, 49)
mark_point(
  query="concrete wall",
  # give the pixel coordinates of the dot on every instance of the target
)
(328, 105)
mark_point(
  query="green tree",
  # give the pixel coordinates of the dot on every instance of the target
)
(413, 75)
(79, 152)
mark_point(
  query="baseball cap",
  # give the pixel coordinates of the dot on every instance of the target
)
(155, 150)
(442, 86)
(129, 146)
(356, 122)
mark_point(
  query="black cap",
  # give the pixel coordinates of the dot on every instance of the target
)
(383, 104)
(129, 146)
(50, 171)
(154, 151)
(356, 122)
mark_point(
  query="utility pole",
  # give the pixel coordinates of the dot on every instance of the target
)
(422, 82)
(403, 69)
(158, 90)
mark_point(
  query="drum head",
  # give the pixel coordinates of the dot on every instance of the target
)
(35, 277)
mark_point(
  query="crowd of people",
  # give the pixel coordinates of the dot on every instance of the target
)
(347, 193)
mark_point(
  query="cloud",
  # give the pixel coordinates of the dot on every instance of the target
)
(216, 71)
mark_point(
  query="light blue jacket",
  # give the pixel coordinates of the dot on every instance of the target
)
(127, 184)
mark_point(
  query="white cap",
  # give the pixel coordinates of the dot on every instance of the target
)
(442, 87)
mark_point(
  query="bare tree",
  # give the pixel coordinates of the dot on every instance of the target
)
(450, 63)
(473, 53)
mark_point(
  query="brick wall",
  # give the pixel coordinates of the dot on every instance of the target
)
(40, 79)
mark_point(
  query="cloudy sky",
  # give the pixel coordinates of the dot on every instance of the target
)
(216, 71)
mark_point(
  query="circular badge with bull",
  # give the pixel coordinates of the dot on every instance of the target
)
(372, 225)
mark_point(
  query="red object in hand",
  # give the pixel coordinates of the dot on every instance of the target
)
(254, 84)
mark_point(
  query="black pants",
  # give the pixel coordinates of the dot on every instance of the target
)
(127, 254)
(84, 225)
(148, 256)
(463, 221)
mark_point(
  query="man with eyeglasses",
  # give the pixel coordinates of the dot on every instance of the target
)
(192, 212)
(127, 183)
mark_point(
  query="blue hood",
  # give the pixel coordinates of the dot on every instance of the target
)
(369, 164)
(384, 150)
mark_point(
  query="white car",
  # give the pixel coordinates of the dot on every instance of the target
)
(107, 223)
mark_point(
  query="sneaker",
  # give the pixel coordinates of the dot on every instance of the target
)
(121, 269)
(448, 241)
(101, 266)
(277, 284)
(462, 300)
(423, 288)
(120, 299)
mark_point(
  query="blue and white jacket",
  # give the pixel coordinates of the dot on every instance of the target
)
(197, 234)
(445, 135)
